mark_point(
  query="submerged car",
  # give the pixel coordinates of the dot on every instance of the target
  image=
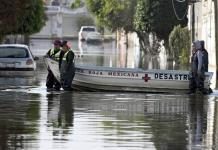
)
(16, 59)
(89, 34)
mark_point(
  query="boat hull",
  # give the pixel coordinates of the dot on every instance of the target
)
(91, 78)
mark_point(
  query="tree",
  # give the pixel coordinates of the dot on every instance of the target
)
(179, 43)
(159, 17)
(152, 20)
(32, 17)
(114, 14)
(21, 17)
(8, 16)
(77, 4)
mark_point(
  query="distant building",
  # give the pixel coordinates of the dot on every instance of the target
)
(62, 22)
(58, 2)
(55, 3)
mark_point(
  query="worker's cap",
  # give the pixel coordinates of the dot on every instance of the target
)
(197, 44)
(202, 43)
(66, 43)
(57, 42)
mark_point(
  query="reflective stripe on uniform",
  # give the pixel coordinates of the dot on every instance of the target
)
(53, 55)
(52, 52)
(57, 55)
(65, 56)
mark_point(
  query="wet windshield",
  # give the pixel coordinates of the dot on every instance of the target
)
(13, 52)
(89, 29)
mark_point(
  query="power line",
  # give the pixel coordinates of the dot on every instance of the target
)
(174, 9)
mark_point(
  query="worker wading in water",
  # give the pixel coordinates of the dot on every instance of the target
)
(51, 81)
(197, 70)
(67, 67)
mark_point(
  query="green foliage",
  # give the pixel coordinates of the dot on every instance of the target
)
(113, 14)
(32, 18)
(21, 17)
(84, 21)
(158, 17)
(8, 16)
(179, 43)
(77, 4)
(155, 17)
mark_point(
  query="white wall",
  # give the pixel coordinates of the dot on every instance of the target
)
(205, 30)
(62, 22)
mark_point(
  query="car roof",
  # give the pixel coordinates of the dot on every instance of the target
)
(88, 27)
(14, 45)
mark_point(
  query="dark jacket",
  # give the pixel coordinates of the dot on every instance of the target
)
(205, 59)
(67, 69)
(197, 63)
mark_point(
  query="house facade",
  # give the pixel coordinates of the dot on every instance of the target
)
(202, 23)
(61, 22)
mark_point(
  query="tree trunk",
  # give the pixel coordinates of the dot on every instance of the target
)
(144, 42)
(169, 53)
(26, 39)
(147, 45)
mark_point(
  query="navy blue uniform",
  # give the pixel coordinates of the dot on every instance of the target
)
(67, 70)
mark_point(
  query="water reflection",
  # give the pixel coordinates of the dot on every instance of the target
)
(91, 53)
(60, 112)
(32, 118)
(167, 117)
(197, 116)
(19, 115)
(109, 54)
(202, 123)
(125, 120)
(65, 115)
(107, 121)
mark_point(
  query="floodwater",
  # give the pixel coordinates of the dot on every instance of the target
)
(34, 119)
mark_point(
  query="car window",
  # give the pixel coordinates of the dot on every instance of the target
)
(13, 52)
(89, 29)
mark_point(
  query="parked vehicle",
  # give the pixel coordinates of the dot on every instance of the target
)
(16, 59)
(89, 34)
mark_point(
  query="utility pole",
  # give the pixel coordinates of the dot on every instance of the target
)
(216, 35)
(192, 18)
(193, 22)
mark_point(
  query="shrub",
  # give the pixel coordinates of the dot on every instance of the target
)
(77, 4)
(179, 43)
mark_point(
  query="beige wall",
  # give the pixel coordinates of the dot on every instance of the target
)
(205, 30)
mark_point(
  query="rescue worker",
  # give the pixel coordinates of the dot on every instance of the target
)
(192, 81)
(201, 69)
(205, 64)
(205, 56)
(197, 70)
(51, 81)
(67, 68)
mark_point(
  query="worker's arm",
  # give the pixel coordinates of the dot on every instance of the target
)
(200, 61)
(70, 59)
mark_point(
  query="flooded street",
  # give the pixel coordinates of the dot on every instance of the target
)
(33, 118)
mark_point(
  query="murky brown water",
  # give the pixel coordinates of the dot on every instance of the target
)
(32, 118)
